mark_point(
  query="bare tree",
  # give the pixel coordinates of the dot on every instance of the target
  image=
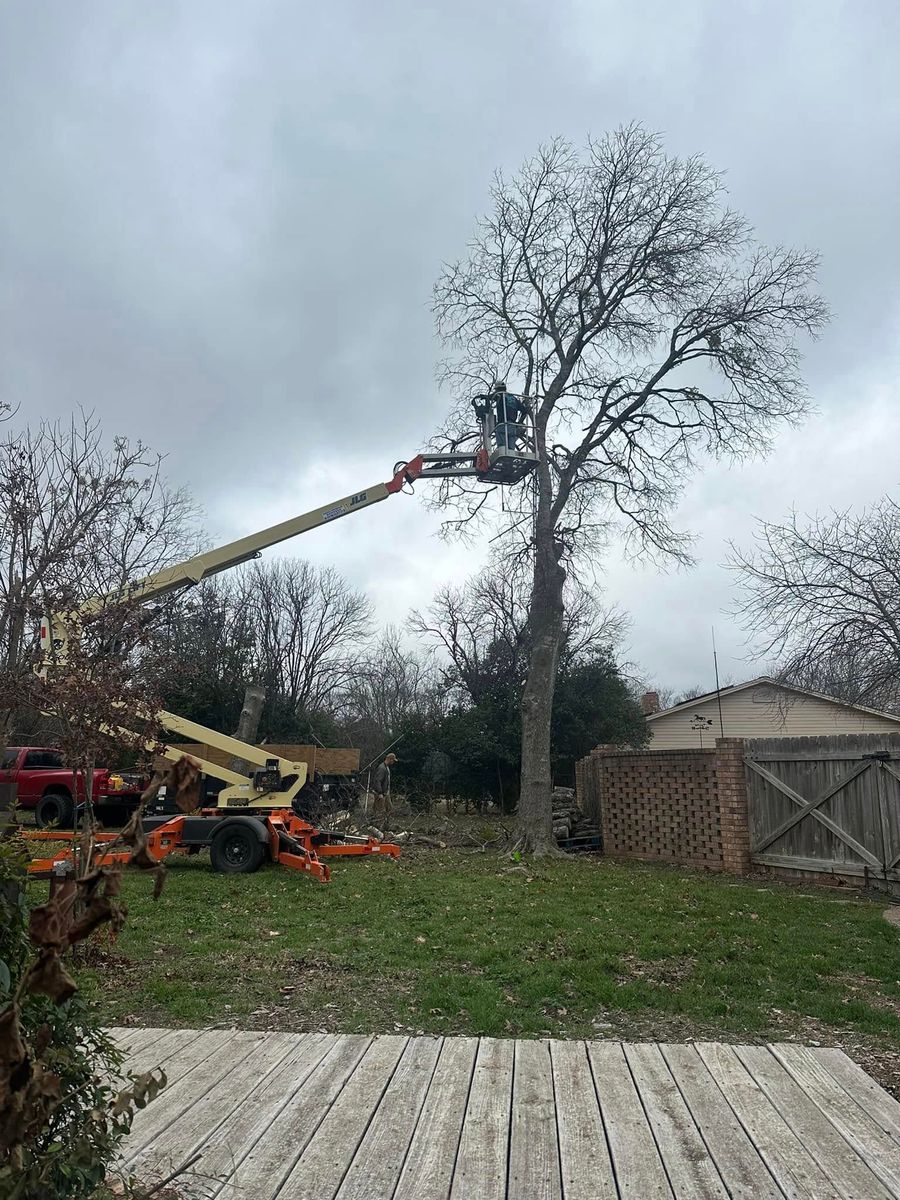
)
(308, 627)
(390, 683)
(648, 328)
(470, 625)
(79, 518)
(213, 637)
(822, 597)
(391, 686)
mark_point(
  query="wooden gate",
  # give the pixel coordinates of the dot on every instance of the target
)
(826, 804)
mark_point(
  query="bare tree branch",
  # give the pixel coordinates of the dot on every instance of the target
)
(822, 597)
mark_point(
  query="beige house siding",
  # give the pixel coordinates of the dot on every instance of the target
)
(762, 711)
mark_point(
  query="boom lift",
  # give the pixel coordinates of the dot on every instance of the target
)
(503, 453)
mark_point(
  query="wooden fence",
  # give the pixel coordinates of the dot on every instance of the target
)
(826, 804)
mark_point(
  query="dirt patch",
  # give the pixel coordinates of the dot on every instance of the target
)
(661, 972)
(102, 956)
(866, 990)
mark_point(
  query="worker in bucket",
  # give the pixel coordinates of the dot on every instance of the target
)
(510, 412)
(381, 787)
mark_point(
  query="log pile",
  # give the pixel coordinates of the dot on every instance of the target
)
(572, 829)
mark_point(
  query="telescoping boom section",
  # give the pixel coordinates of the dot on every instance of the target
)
(503, 453)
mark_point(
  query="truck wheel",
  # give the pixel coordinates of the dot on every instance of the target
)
(236, 850)
(54, 808)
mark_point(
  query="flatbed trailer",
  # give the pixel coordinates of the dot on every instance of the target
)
(238, 843)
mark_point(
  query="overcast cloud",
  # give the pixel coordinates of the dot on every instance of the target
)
(220, 224)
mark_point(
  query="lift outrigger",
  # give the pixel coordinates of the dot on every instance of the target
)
(257, 818)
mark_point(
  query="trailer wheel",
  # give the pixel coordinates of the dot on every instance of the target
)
(236, 850)
(54, 808)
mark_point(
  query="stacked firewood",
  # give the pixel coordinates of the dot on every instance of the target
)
(571, 828)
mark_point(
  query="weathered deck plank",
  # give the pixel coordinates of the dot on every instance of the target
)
(186, 1137)
(862, 1131)
(638, 1168)
(727, 1141)
(255, 1120)
(379, 1159)
(428, 1170)
(875, 1100)
(533, 1143)
(280, 1116)
(261, 1171)
(834, 1155)
(320, 1169)
(484, 1146)
(165, 1049)
(687, 1162)
(177, 1098)
(585, 1166)
(797, 1173)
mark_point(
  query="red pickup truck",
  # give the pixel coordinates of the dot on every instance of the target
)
(46, 785)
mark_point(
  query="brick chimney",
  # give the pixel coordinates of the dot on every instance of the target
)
(650, 703)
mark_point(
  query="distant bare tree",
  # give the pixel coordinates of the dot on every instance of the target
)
(470, 625)
(821, 595)
(392, 684)
(308, 627)
(613, 288)
(79, 518)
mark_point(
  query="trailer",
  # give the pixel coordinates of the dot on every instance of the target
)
(238, 842)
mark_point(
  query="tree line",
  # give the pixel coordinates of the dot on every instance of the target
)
(443, 689)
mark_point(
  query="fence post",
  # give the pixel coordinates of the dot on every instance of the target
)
(731, 786)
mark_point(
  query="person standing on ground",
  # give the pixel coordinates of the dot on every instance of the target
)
(381, 786)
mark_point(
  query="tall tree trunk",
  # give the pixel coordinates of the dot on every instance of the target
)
(535, 832)
(248, 723)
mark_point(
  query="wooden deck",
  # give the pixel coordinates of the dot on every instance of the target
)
(317, 1116)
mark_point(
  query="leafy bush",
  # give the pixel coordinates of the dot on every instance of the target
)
(72, 1061)
(61, 1115)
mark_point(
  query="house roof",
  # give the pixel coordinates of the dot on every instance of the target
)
(784, 687)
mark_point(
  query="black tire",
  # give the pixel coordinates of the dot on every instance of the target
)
(54, 808)
(236, 850)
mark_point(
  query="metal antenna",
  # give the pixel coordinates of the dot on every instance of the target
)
(718, 689)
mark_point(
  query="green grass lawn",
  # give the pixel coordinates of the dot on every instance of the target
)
(445, 942)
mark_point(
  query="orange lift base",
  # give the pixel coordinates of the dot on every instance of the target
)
(292, 843)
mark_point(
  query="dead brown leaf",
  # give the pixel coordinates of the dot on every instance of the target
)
(15, 1067)
(48, 924)
(97, 912)
(184, 781)
(159, 881)
(48, 977)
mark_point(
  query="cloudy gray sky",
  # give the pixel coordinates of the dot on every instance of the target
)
(220, 222)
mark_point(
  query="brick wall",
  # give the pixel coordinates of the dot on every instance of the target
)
(679, 806)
